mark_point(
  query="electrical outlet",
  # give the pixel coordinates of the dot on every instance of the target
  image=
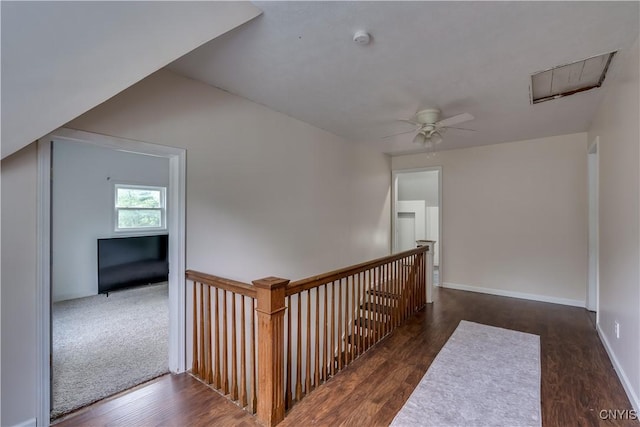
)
(616, 328)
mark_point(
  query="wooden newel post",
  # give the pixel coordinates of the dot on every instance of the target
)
(428, 267)
(270, 310)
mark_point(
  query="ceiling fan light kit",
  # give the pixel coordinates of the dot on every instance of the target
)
(430, 128)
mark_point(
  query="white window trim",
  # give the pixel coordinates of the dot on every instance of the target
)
(162, 209)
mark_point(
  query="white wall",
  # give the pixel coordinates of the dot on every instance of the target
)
(18, 310)
(616, 125)
(82, 208)
(419, 186)
(515, 217)
(266, 194)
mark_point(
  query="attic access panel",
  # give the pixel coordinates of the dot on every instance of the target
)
(568, 79)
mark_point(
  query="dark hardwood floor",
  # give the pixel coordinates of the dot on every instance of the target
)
(578, 380)
(171, 400)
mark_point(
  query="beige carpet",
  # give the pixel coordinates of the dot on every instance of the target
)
(104, 345)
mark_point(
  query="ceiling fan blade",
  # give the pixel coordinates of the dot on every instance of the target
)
(450, 121)
(413, 122)
(400, 133)
(453, 127)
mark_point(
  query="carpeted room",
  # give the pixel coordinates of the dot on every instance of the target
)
(109, 326)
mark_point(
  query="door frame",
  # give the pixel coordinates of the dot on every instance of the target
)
(394, 211)
(177, 250)
(593, 185)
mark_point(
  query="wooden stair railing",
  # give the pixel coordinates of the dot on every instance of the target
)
(269, 344)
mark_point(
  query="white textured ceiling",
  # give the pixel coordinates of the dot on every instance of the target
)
(476, 57)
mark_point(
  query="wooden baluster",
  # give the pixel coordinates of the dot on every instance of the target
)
(413, 283)
(398, 292)
(388, 308)
(410, 286)
(382, 299)
(208, 376)
(333, 317)
(417, 287)
(234, 356)
(299, 353)
(385, 301)
(194, 357)
(385, 304)
(339, 333)
(421, 291)
(404, 289)
(317, 342)
(216, 370)
(271, 309)
(389, 300)
(343, 354)
(352, 345)
(362, 312)
(243, 356)
(307, 381)
(356, 314)
(254, 391)
(325, 342)
(225, 353)
(361, 338)
(367, 320)
(378, 321)
(287, 397)
(201, 361)
(392, 290)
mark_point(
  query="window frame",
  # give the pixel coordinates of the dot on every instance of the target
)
(137, 230)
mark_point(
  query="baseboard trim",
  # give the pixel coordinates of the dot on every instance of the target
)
(513, 294)
(28, 423)
(633, 398)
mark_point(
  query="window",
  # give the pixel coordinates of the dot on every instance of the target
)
(140, 207)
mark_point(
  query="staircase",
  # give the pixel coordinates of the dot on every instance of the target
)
(381, 310)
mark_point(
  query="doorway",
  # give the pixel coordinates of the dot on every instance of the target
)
(417, 213)
(176, 252)
(593, 273)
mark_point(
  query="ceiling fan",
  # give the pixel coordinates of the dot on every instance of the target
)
(430, 128)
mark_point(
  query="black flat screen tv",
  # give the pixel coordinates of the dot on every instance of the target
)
(129, 261)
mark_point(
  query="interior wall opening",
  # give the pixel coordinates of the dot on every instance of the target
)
(417, 213)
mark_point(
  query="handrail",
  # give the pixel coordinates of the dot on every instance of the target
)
(222, 283)
(315, 281)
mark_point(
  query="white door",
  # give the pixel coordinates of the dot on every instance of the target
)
(406, 224)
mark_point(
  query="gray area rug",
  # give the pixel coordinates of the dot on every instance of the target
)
(104, 345)
(483, 376)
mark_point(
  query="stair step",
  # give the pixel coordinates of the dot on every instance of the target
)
(377, 308)
(372, 324)
(383, 294)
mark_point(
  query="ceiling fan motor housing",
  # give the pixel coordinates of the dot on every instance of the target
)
(428, 116)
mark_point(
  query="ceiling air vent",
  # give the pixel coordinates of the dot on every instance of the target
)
(568, 79)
